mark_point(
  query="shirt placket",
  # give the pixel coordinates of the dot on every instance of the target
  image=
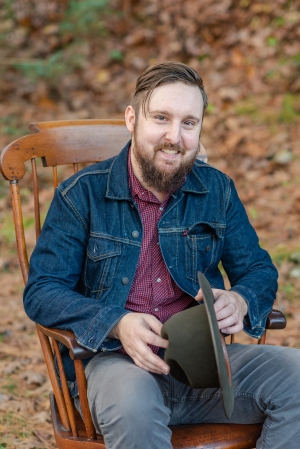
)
(159, 286)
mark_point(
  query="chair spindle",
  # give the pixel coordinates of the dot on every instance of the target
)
(19, 229)
(262, 340)
(87, 419)
(48, 354)
(66, 393)
(55, 177)
(37, 218)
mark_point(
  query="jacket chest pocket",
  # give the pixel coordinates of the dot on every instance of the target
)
(101, 263)
(201, 249)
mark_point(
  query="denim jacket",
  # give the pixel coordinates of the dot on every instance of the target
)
(86, 256)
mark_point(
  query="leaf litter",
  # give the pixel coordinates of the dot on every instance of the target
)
(57, 63)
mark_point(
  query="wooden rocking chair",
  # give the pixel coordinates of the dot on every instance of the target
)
(76, 142)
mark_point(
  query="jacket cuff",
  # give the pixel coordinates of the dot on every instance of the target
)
(252, 319)
(95, 338)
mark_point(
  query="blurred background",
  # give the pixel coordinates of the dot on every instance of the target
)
(64, 59)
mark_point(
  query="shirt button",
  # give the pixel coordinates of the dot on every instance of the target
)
(156, 309)
(207, 248)
(135, 234)
(158, 280)
(161, 208)
(125, 281)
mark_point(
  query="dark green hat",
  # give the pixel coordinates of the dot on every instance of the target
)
(197, 353)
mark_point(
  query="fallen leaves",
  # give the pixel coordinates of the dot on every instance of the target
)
(248, 55)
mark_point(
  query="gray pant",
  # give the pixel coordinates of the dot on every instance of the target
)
(132, 408)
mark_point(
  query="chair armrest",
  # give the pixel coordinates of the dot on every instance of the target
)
(67, 338)
(276, 320)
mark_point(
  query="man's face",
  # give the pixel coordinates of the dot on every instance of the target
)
(165, 143)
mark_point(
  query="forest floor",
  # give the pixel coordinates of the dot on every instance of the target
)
(56, 63)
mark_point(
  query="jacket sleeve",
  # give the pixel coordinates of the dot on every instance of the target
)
(51, 295)
(249, 267)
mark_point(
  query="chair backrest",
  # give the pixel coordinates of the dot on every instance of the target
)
(74, 143)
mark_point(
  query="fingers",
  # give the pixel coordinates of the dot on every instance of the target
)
(143, 357)
(230, 310)
(138, 330)
(153, 337)
(232, 329)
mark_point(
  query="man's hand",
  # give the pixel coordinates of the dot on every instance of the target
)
(230, 310)
(136, 331)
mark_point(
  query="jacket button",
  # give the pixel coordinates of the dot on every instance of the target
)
(125, 281)
(135, 234)
(207, 248)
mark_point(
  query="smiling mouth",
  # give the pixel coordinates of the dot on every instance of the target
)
(171, 152)
(170, 149)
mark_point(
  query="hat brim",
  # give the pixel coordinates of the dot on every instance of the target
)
(222, 359)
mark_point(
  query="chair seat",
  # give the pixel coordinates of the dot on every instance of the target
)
(197, 436)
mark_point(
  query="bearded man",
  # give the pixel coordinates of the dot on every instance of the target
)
(119, 254)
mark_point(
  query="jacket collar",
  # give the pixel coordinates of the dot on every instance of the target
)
(117, 184)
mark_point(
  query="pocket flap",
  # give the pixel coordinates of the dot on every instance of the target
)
(102, 248)
(203, 229)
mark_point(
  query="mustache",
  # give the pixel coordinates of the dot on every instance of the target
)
(169, 146)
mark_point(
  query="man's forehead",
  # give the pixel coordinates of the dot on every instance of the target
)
(171, 96)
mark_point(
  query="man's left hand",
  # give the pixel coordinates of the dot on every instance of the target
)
(230, 308)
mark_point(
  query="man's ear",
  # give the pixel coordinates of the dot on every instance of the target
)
(130, 118)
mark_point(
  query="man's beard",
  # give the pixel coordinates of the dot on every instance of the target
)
(167, 179)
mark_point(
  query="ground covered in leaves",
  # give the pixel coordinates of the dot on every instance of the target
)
(80, 59)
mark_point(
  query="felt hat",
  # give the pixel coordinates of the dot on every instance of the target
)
(197, 353)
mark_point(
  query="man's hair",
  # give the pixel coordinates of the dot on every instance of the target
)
(164, 73)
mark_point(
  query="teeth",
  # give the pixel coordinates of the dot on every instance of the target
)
(169, 151)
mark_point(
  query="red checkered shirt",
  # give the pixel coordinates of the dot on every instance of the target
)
(153, 290)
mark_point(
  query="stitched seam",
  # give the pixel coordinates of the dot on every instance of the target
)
(76, 212)
(96, 172)
(100, 235)
(228, 193)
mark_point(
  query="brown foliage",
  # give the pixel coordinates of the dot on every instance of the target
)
(55, 65)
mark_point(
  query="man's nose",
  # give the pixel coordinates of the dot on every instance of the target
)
(173, 134)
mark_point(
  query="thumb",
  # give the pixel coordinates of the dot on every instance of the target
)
(199, 296)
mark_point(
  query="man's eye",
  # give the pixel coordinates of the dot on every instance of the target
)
(160, 117)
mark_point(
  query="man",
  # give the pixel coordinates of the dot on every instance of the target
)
(119, 254)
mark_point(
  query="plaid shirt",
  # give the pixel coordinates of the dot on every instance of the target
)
(153, 290)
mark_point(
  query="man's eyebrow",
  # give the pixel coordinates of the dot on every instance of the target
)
(162, 112)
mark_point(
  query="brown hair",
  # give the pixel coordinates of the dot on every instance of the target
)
(164, 73)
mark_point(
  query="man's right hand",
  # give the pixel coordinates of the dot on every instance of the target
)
(136, 331)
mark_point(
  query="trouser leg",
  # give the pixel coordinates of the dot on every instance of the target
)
(267, 389)
(126, 404)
